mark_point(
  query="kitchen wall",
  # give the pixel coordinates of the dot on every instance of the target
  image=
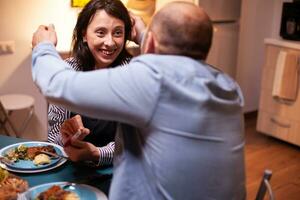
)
(259, 20)
(18, 20)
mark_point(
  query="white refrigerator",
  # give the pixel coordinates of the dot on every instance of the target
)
(225, 16)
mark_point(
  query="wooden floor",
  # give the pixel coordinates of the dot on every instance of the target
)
(283, 159)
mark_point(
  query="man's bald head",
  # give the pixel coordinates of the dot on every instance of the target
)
(182, 28)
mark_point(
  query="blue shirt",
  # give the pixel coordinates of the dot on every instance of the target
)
(188, 141)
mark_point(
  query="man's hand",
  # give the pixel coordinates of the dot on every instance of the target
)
(44, 34)
(71, 126)
(82, 151)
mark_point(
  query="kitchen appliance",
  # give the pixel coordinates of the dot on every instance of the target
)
(225, 17)
(290, 21)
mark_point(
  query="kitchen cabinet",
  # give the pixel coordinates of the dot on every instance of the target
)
(279, 117)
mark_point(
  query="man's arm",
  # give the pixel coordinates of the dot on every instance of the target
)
(125, 94)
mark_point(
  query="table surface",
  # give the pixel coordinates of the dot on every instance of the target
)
(69, 171)
(16, 101)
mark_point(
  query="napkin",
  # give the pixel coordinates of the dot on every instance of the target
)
(285, 85)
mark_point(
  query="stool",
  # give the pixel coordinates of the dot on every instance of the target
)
(13, 102)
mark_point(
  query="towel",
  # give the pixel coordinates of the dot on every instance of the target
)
(285, 85)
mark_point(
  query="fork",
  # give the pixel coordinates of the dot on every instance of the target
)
(54, 155)
(70, 186)
(6, 161)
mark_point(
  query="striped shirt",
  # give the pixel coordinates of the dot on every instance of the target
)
(57, 115)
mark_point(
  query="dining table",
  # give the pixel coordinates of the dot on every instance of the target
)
(68, 172)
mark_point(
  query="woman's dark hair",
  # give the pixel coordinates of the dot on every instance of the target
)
(80, 49)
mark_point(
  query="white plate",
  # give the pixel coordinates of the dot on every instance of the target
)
(19, 168)
(82, 190)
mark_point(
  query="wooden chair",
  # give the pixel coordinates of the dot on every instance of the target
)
(265, 186)
(6, 125)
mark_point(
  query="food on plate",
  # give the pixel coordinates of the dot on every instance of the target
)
(33, 151)
(57, 193)
(23, 152)
(11, 185)
(41, 159)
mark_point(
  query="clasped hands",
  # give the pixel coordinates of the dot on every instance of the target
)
(78, 150)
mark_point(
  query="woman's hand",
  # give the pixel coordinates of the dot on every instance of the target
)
(78, 150)
(82, 151)
(71, 126)
(138, 28)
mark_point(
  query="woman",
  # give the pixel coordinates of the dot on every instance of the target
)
(99, 38)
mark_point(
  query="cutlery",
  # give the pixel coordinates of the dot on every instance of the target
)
(6, 161)
(69, 186)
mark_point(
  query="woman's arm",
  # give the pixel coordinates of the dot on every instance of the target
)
(56, 116)
(106, 154)
(84, 151)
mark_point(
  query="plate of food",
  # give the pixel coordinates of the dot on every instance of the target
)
(64, 191)
(32, 157)
(11, 185)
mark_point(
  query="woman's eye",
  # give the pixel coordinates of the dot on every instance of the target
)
(118, 33)
(100, 33)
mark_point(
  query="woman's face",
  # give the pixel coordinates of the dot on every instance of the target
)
(105, 36)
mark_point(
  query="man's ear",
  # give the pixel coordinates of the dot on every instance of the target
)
(149, 43)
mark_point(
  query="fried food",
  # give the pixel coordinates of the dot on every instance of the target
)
(34, 151)
(11, 185)
(57, 193)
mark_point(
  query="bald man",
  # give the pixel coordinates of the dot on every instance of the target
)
(188, 135)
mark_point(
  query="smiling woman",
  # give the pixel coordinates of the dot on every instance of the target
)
(105, 37)
(101, 25)
(103, 28)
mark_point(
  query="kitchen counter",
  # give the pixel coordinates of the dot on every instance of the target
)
(283, 43)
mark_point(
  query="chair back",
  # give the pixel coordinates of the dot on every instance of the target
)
(265, 186)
